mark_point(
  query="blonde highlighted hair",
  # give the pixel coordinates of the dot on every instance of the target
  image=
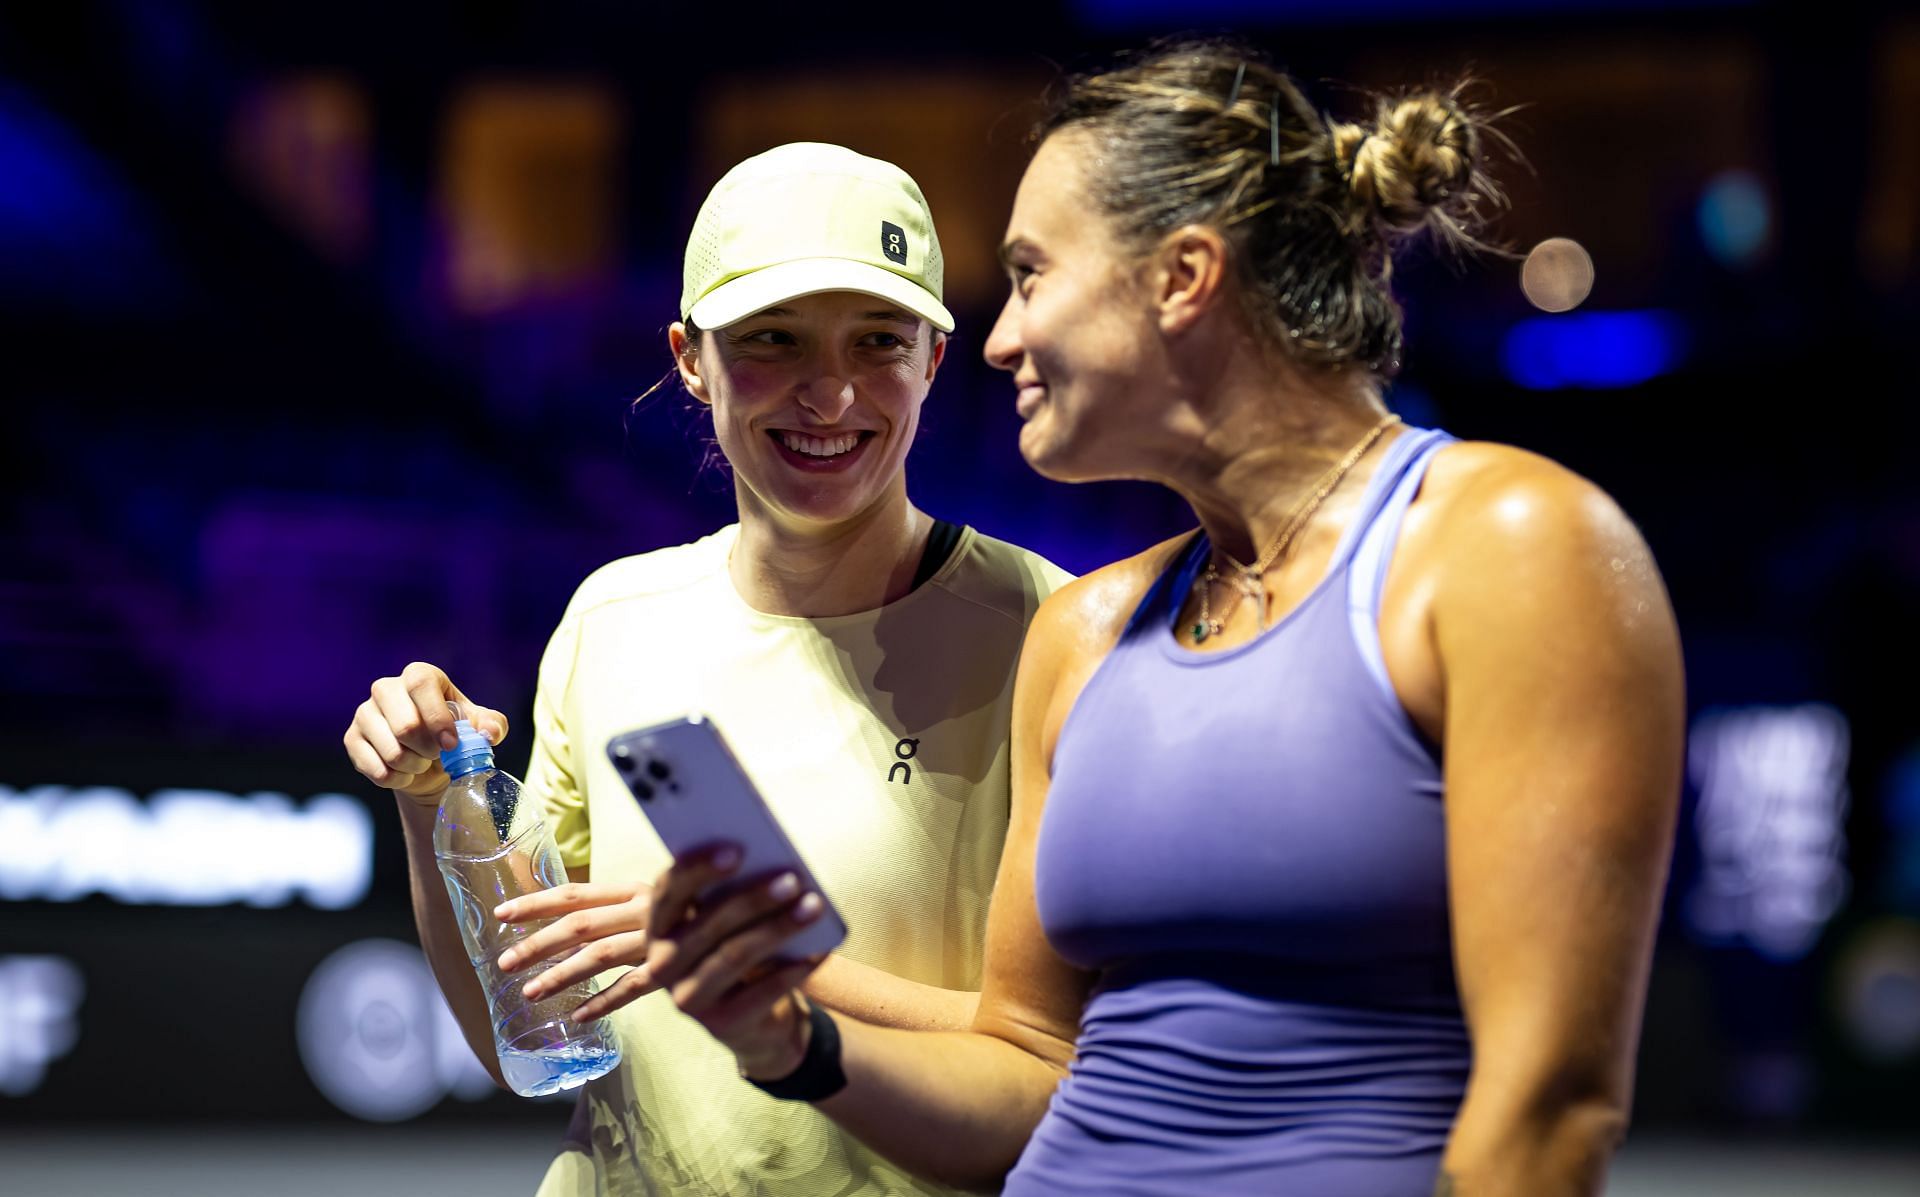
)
(1209, 132)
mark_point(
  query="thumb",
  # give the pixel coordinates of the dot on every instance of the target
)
(489, 722)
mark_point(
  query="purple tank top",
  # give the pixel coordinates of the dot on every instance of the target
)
(1248, 845)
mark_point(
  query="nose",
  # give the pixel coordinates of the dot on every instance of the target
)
(1003, 349)
(828, 395)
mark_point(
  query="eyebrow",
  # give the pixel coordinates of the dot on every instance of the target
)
(1011, 247)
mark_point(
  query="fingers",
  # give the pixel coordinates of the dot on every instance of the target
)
(617, 911)
(592, 960)
(397, 734)
(681, 948)
(397, 701)
(379, 756)
(364, 757)
(712, 928)
(565, 899)
(701, 971)
(673, 893)
(415, 708)
(434, 690)
(721, 964)
(492, 724)
(379, 737)
(632, 985)
(427, 689)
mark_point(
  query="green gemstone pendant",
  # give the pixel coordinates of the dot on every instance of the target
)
(1199, 632)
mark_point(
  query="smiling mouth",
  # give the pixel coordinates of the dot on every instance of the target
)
(820, 453)
(819, 446)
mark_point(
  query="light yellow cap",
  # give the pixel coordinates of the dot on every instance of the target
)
(805, 218)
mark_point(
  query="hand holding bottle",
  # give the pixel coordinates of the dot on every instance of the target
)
(398, 733)
(605, 921)
(492, 845)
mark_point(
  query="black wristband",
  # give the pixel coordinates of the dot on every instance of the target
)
(819, 1075)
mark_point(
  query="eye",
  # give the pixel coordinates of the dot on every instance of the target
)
(885, 340)
(1023, 277)
(768, 336)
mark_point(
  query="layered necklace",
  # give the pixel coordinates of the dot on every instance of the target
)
(1248, 581)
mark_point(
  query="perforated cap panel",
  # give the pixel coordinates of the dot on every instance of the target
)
(812, 202)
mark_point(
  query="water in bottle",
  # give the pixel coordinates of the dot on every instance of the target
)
(492, 846)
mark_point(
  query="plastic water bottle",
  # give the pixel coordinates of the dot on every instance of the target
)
(492, 846)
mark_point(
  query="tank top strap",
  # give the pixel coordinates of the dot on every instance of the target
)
(1399, 457)
(1375, 537)
(1177, 578)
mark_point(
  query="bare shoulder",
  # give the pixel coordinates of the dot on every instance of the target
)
(1521, 541)
(1072, 632)
(1492, 500)
(1085, 617)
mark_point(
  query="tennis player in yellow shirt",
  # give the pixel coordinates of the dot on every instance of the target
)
(858, 653)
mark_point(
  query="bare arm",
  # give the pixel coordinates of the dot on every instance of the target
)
(954, 1106)
(602, 926)
(440, 937)
(1564, 726)
(876, 996)
(957, 1106)
(394, 742)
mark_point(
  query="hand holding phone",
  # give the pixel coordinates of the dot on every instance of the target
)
(738, 922)
(698, 798)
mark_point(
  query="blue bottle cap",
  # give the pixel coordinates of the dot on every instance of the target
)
(471, 754)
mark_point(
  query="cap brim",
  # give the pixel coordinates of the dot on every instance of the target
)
(771, 286)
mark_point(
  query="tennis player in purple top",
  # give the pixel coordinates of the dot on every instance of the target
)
(1339, 826)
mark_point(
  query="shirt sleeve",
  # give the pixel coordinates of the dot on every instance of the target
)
(551, 771)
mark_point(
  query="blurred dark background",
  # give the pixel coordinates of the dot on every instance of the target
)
(323, 329)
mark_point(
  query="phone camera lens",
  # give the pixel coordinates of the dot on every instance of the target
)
(623, 758)
(641, 790)
(659, 770)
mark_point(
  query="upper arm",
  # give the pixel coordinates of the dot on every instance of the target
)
(1029, 995)
(1563, 740)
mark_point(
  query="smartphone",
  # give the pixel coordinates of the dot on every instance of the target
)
(694, 792)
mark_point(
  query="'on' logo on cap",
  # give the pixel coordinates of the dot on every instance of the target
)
(893, 242)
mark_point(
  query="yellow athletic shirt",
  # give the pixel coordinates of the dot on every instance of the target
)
(879, 740)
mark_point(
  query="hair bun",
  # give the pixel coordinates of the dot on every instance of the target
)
(1208, 132)
(1418, 167)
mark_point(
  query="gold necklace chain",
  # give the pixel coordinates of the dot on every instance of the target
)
(1249, 579)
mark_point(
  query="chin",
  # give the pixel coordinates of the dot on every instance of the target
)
(1035, 448)
(825, 514)
(1053, 459)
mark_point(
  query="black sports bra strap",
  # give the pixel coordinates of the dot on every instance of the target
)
(941, 542)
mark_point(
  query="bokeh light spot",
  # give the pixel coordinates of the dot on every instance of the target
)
(1557, 275)
(1736, 218)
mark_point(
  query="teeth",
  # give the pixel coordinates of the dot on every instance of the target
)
(819, 446)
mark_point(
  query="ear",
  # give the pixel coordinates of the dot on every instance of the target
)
(686, 359)
(938, 353)
(1189, 275)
